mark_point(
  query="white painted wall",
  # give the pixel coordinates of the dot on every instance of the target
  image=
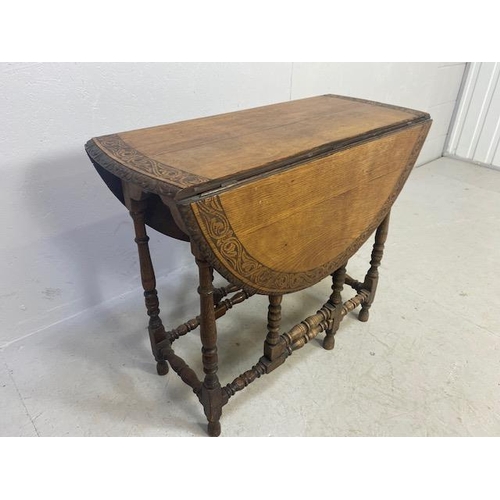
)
(431, 87)
(66, 243)
(475, 135)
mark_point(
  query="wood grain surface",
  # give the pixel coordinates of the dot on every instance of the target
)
(286, 231)
(239, 144)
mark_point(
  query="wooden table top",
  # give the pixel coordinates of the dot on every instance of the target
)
(202, 154)
(276, 197)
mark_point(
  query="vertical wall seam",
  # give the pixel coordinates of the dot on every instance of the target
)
(458, 111)
(493, 156)
(476, 69)
(493, 145)
(483, 112)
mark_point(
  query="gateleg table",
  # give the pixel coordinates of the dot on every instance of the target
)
(275, 199)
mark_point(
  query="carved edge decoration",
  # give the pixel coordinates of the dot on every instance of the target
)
(115, 155)
(229, 257)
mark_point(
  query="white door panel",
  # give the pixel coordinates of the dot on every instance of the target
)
(475, 134)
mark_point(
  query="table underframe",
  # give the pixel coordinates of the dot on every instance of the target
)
(216, 302)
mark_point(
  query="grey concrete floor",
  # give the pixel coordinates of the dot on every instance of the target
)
(426, 364)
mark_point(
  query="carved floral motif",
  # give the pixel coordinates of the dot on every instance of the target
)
(121, 159)
(222, 248)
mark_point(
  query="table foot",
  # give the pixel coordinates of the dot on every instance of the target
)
(214, 429)
(364, 314)
(329, 342)
(162, 367)
(338, 280)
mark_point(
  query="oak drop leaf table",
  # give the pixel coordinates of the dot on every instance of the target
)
(275, 199)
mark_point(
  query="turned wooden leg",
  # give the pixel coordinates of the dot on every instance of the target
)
(271, 348)
(338, 280)
(371, 278)
(211, 392)
(155, 328)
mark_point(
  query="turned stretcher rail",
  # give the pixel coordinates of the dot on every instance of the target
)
(294, 339)
(357, 300)
(224, 291)
(357, 285)
(187, 374)
(221, 308)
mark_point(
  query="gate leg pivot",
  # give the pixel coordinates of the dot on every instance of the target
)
(371, 278)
